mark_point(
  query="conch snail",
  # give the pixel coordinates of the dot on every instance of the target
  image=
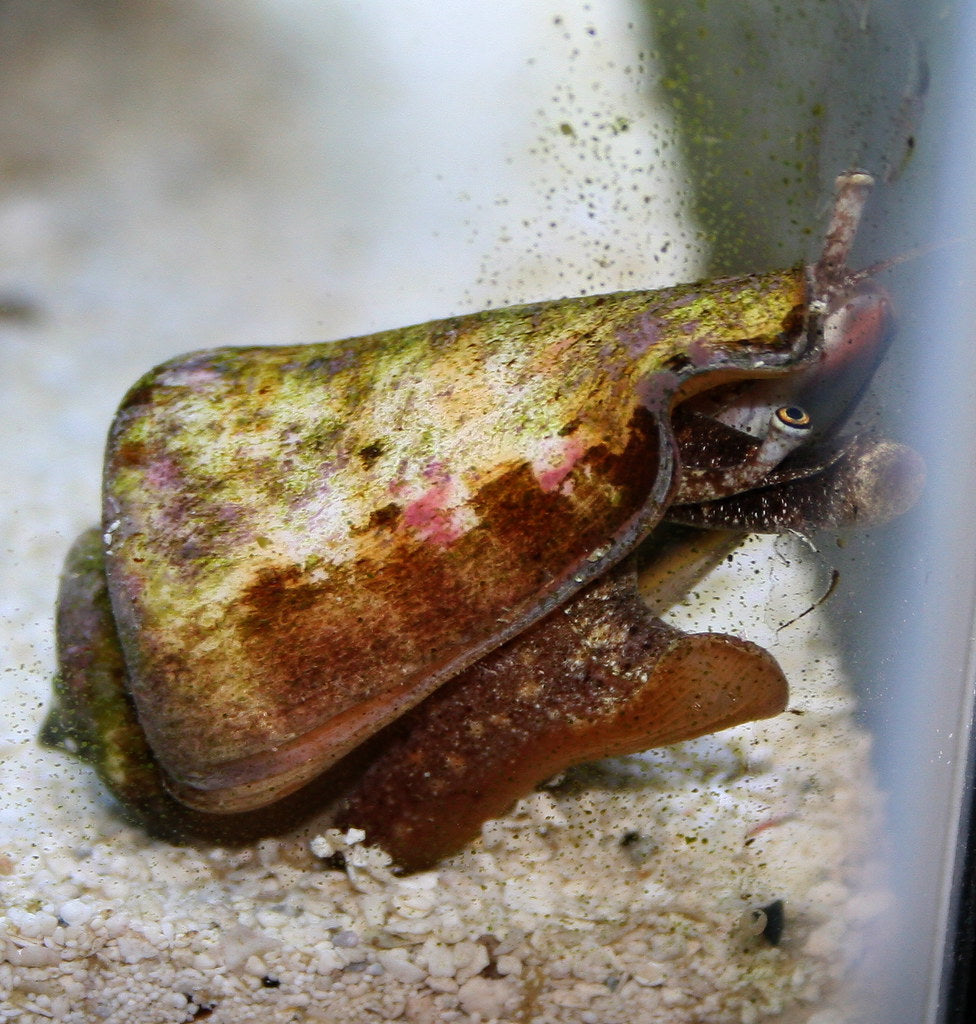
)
(437, 538)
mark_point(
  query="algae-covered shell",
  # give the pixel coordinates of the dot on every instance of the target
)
(302, 542)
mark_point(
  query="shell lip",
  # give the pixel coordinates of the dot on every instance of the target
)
(258, 780)
(802, 353)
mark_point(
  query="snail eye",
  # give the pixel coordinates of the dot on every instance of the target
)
(793, 417)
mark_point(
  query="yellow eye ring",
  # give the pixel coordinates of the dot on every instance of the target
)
(794, 417)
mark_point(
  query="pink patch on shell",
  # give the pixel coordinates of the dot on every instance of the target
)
(430, 517)
(559, 457)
